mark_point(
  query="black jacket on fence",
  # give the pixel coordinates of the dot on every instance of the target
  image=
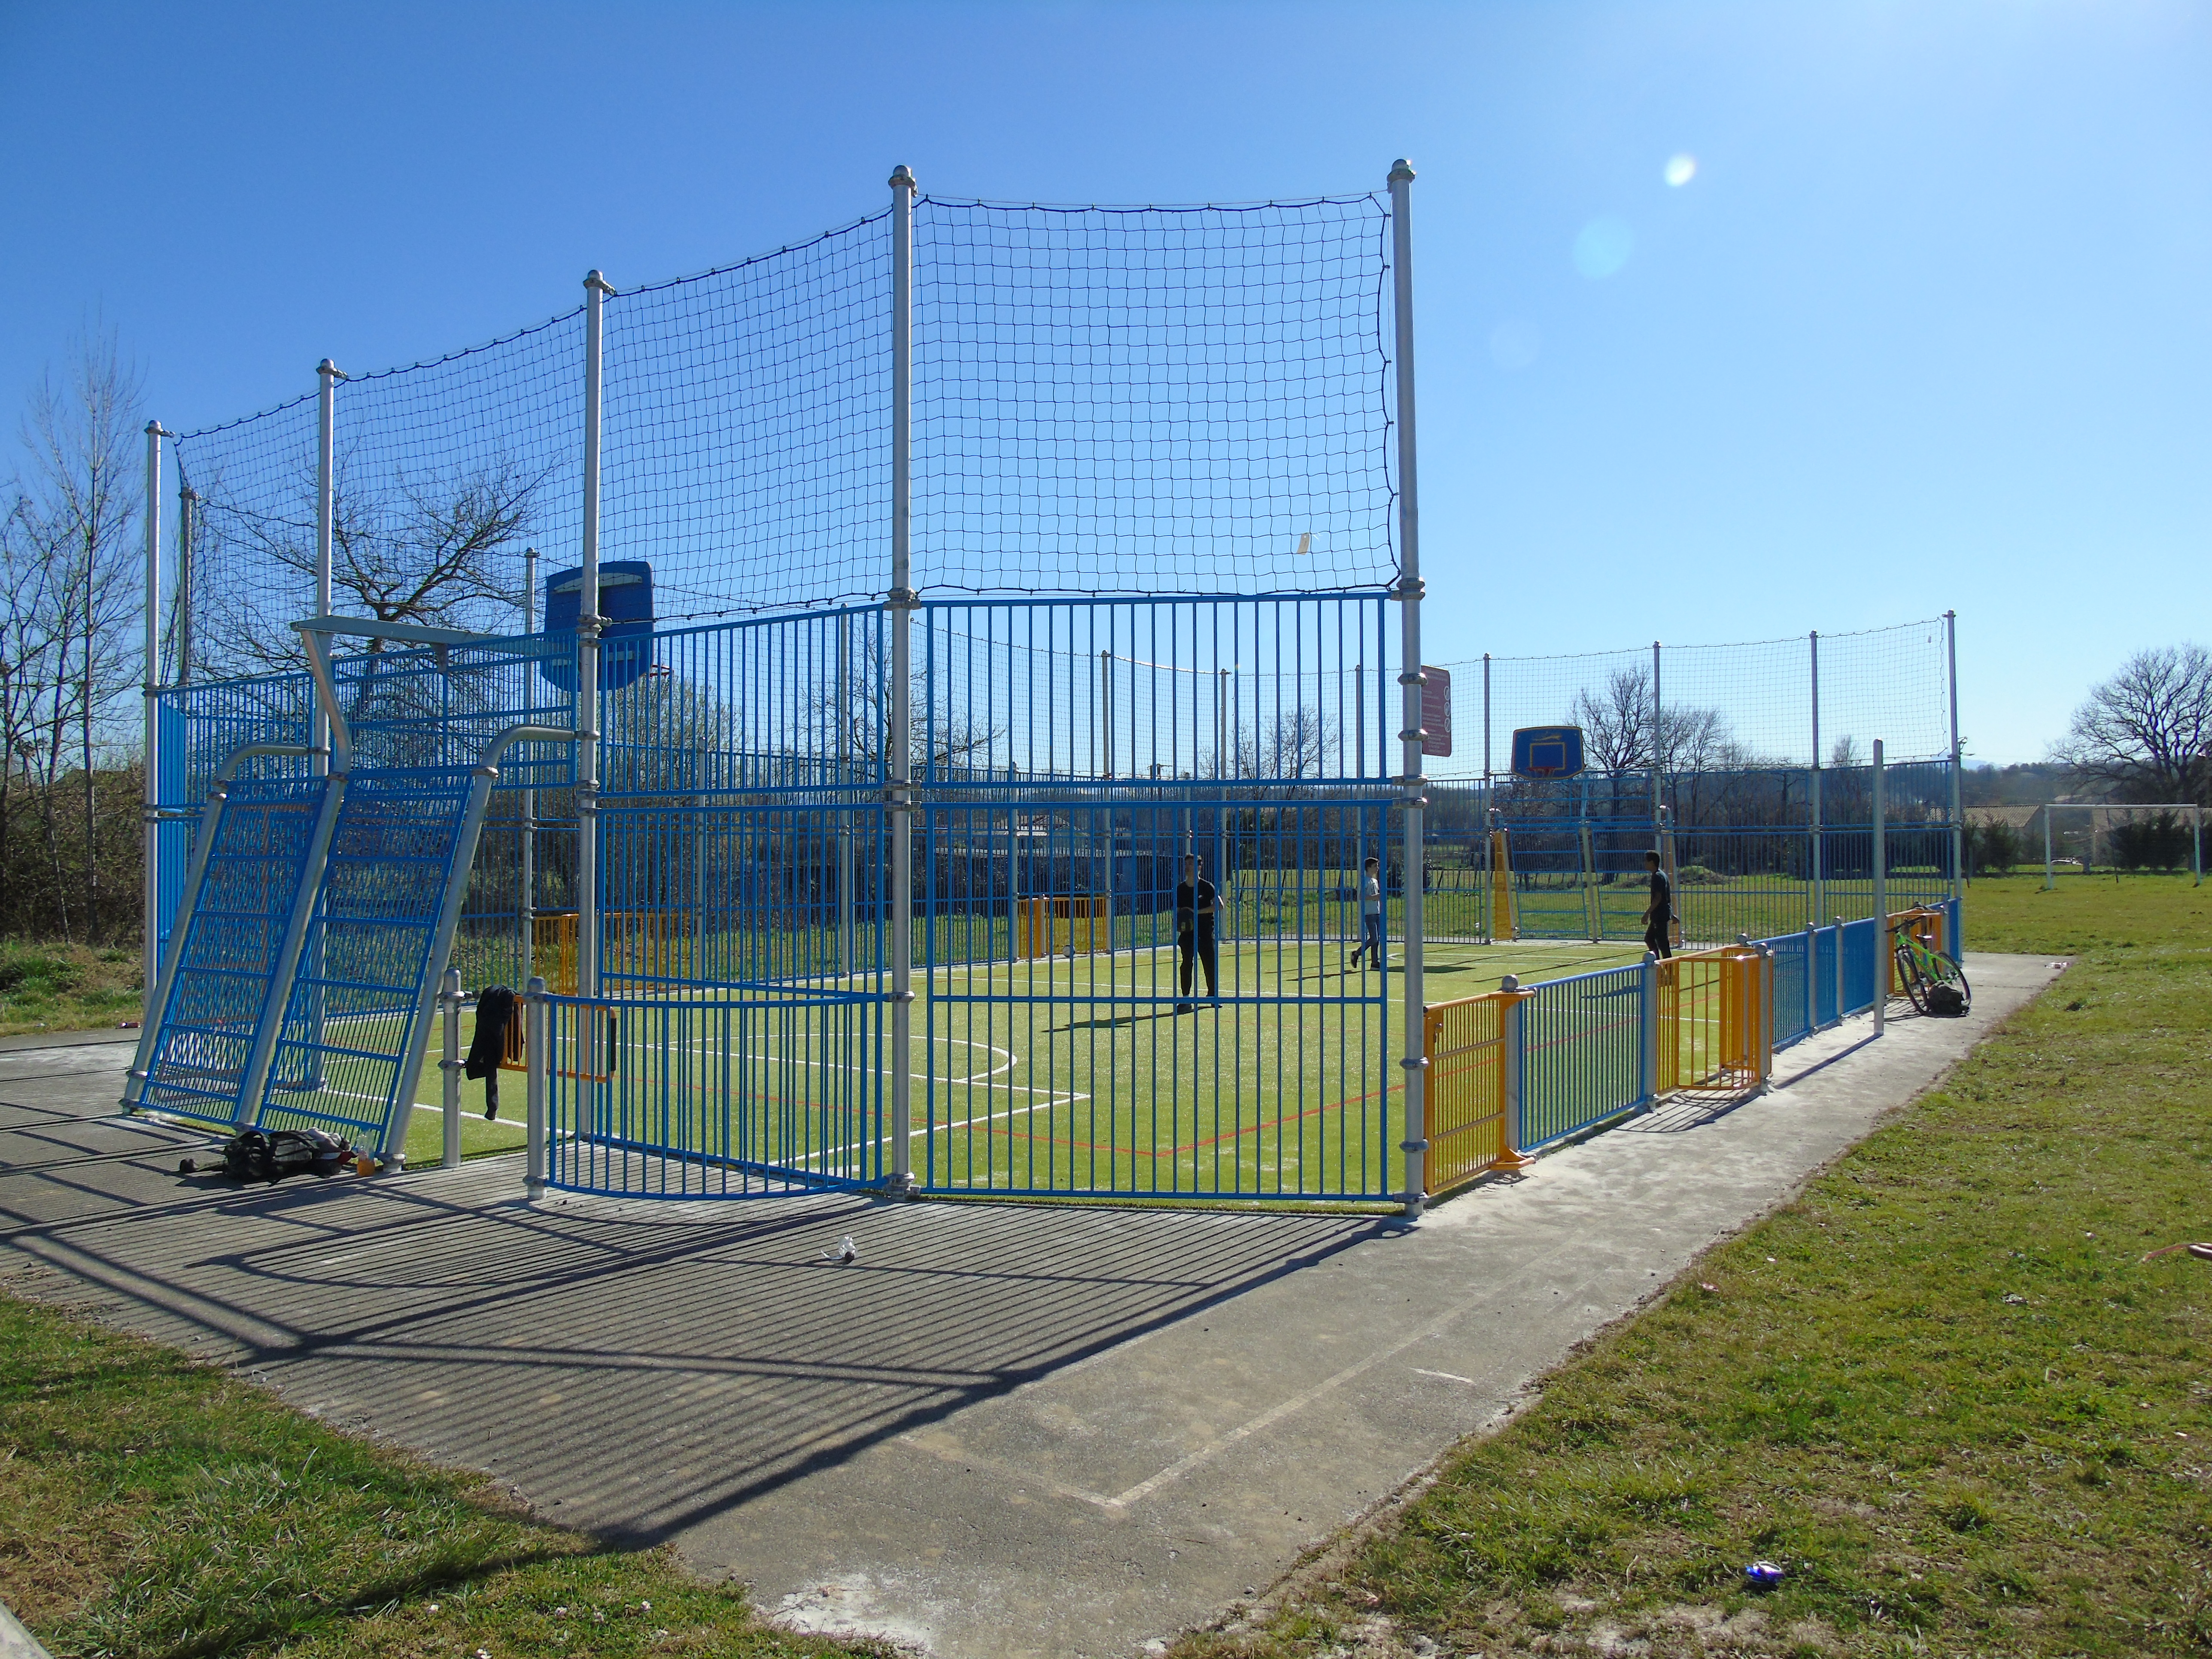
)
(495, 1008)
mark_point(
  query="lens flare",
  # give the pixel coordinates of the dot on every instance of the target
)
(1681, 169)
(1603, 247)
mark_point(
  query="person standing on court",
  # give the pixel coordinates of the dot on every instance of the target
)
(1370, 914)
(1195, 902)
(1660, 911)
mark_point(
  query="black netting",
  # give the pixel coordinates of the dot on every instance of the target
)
(1152, 399)
(1119, 401)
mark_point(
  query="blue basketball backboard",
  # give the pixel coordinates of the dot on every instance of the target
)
(1547, 751)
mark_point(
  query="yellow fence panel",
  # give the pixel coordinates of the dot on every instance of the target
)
(1059, 927)
(1465, 1084)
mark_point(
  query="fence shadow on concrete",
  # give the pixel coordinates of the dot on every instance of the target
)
(636, 1368)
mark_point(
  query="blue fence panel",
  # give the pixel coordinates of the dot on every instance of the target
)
(1825, 987)
(1791, 1014)
(232, 932)
(736, 1098)
(1583, 1057)
(1858, 947)
(1953, 934)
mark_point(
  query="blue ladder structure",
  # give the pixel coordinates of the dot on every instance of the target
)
(320, 911)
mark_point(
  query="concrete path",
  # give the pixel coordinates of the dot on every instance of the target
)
(1004, 1430)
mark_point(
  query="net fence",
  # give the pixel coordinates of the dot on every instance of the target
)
(1816, 700)
(1133, 401)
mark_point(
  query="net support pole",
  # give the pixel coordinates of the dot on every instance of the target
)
(1882, 947)
(899, 606)
(844, 784)
(596, 289)
(1958, 826)
(151, 791)
(1658, 734)
(527, 910)
(327, 377)
(1415, 1061)
(1819, 866)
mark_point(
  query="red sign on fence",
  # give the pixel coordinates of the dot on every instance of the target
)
(1435, 710)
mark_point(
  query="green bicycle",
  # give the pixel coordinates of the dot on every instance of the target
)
(1930, 978)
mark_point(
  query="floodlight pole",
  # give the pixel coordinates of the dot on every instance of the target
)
(899, 606)
(150, 792)
(596, 289)
(1882, 947)
(1958, 826)
(1414, 1060)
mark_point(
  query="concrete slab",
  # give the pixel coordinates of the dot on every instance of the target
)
(1004, 1430)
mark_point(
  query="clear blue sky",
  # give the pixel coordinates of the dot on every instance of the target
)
(1930, 327)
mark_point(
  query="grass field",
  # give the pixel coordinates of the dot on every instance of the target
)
(1952, 1390)
(150, 1505)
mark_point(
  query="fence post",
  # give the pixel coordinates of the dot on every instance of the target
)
(1410, 676)
(596, 289)
(449, 999)
(1512, 1034)
(1882, 948)
(150, 794)
(2047, 883)
(2197, 848)
(1812, 961)
(1763, 1028)
(899, 605)
(534, 1060)
(1841, 1006)
(1958, 827)
(1647, 1047)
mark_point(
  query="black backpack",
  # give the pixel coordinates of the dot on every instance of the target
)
(1946, 1002)
(271, 1155)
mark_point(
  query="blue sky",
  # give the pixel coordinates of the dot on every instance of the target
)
(1928, 329)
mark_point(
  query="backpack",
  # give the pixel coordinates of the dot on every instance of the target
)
(1946, 1002)
(271, 1155)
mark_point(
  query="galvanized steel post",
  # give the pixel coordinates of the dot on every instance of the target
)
(1812, 957)
(534, 1081)
(596, 289)
(1513, 1035)
(529, 906)
(2048, 883)
(326, 446)
(150, 794)
(1881, 942)
(1414, 1060)
(1820, 852)
(1763, 1030)
(449, 1096)
(1958, 826)
(1658, 736)
(899, 605)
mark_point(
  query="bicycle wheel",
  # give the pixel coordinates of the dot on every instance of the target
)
(1910, 977)
(1948, 972)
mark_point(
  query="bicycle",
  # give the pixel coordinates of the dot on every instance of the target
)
(1921, 967)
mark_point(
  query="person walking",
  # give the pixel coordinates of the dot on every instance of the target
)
(1370, 914)
(1660, 911)
(1195, 903)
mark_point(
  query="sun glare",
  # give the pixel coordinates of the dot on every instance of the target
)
(1681, 169)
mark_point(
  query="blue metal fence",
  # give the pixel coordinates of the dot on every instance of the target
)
(1583, 1052)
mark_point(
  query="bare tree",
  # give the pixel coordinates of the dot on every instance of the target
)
(72, 531)
(2145, 733)
(941, 733)
(436, 548)
(1617, 725)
